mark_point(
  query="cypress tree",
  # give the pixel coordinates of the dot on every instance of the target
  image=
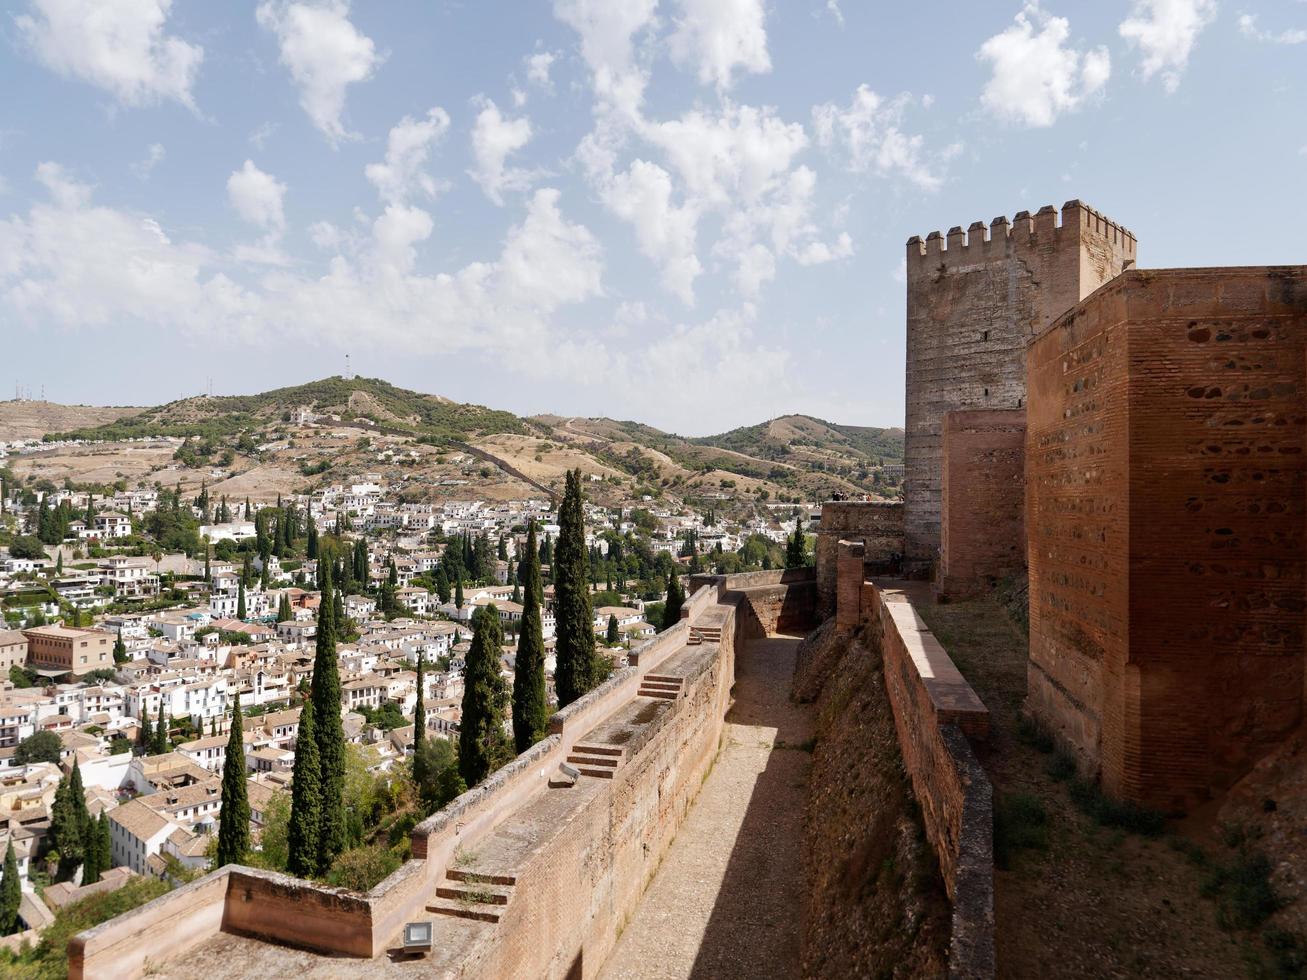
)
(420, 774)
(458, 592)
(240, 601)
(104, 842)
(146, 736)
(530, 699)
(91, 869)
(575, 648)
(796, 551)
(234, 828)
(305, 799)
(612, 636)
(482, 744)
(160, 745)
(59, 563)
(442, 585)
(119, 649)
(330, 734)
(70, 822)
(675, 600)
(11, 893)
(246, 574)
(311, 549)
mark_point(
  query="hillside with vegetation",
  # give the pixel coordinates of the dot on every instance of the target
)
(298, 438)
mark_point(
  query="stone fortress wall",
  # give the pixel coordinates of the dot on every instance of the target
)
(1166, 479)
(974, 301)
(574, 890)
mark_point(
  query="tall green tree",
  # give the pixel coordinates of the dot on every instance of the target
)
(458, 592)
(70, 822)
(240, 601)
(530, 697)
(119, 649)
(482, 743)
(145, 735)
(311, 547)
(11, 892)
(305, 799)
(675, 600)
(332, 837)
(576, 666)
(796, 550)
(160, 745)
(234, 828)
(613, 636)
(420, 776)
(104, 842)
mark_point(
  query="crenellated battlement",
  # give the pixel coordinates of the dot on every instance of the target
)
(980, 242)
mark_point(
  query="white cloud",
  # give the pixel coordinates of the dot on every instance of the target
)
(66, 191)
(867, 135)
(71, 263)
(665, 232)
(408, 148)
(1248, 27)
(494, 139)
(1166, 31)
(257, 197)
(537, 68)
(153, 157)
(834, 7)
(122, 47)
(261, 135)
(720, 36)
(324, 53)
(1036, 75)
(608, 29)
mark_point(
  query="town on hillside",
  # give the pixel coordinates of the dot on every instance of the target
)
(141, 623)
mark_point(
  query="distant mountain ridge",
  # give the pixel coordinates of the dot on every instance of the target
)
(792, 455)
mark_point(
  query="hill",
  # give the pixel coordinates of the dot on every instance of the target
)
(24, 419)
(297, 438)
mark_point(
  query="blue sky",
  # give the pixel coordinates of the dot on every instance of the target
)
(687, 212)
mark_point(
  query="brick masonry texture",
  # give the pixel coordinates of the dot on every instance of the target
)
(974, 300)
(935, 711)
(1165, 496)
(877, 524)
(983, 504)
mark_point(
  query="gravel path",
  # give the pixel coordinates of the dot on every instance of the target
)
(726, 900)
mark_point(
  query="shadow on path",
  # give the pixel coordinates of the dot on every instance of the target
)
(727, 899)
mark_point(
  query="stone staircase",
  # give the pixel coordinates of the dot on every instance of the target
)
(703, 634)
(471, 895)
(662, 686)
(600, 761)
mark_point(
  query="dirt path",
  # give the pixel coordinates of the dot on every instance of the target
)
(726, 900)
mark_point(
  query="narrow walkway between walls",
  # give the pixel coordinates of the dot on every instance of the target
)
(726, 901)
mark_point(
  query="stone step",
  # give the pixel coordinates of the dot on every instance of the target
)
(694, 640)
(597, 773)
(669, 688)
(595, 761)
(479, 877)
(592, 748)
(661, 695)
(458, 910)
(479, 894)
(663, 679)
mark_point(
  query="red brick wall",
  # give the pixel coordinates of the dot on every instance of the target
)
(877, 524)
(954, 793)
(1165, 501)
(983, 519)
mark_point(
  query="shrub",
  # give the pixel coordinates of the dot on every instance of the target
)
(1244, 895)
(363, 868)
(1020, 820)
(1090, 799)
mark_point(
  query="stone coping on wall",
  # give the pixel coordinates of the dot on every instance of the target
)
(953, 699)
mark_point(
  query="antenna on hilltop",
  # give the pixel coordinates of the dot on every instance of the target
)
(348, 376)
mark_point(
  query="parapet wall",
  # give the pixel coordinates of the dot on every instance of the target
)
(573, 895)
(935, 712)
(877, 524)
(974, 300)
(767, 602)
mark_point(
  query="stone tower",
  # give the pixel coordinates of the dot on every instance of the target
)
(974, 302)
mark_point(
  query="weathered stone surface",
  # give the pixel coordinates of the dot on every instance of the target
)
(972, 307)
(1165, 490)
(877, 524)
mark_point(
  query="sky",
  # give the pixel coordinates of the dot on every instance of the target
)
(691, 213)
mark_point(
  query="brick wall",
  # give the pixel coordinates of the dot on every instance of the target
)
(877, 524)
(983, 505)
(1165, 495)
(935, 711)
(974, 300)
